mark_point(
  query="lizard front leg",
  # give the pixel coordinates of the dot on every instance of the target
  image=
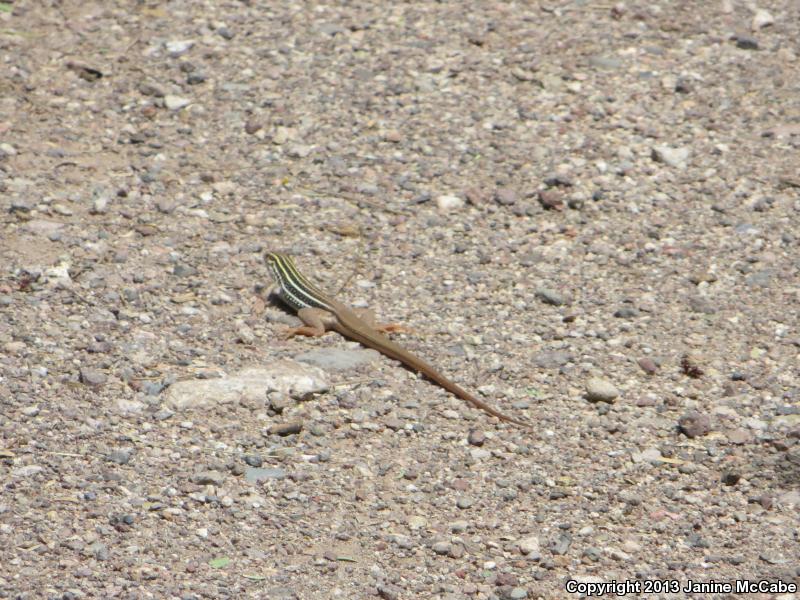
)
(317, 322)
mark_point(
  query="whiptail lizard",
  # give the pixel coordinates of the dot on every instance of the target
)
(320, 313)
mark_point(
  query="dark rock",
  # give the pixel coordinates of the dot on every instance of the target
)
(551, 199)
(549, 296)
(746, 42)
(476, 437)
(285, 429)
(647, 365)
(253, 460)
(730, 478)
(694, 424)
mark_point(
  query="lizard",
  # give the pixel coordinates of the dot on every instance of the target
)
(320, 312)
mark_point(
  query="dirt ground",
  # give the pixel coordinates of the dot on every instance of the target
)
(587, 211)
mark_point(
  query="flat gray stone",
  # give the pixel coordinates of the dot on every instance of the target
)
(549, 296)
(552, 359)
(337, 359)
(42, 227)
(258, 474)
(605, 62)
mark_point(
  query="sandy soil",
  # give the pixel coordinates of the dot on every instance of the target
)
(588, 212)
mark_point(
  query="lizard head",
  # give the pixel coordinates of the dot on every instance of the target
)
(277, 263)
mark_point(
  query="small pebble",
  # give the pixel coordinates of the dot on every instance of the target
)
(92, 377)
(746, 42)
(672, 157)
(225, 33)
(601, 390)
(551, 297)
(731, 478)
(647, 365)
(121, 456)
(257, 475)
(551, 199)
(739, 436)
(441, 548)
(178, 47)
(285, 429)
(505, 196)
(464, 502)
(476, 437)
(693, 424)
(529, 546)
(761, 19)
(299, 151)
(448, 203)
(176, 102)
(208, 478)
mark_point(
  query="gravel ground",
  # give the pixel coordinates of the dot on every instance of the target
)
(587, 211)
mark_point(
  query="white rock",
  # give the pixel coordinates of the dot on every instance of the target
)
(176, 102)
(178, 47)
(673, 157)
(529, 545)
(761, 19)
(252, 384)
(8, 149)
(447, 203)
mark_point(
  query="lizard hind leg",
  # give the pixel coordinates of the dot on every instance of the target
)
(396, 328)
(304, 330)
(368, 317)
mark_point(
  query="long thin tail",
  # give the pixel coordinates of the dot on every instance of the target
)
(386, 346)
